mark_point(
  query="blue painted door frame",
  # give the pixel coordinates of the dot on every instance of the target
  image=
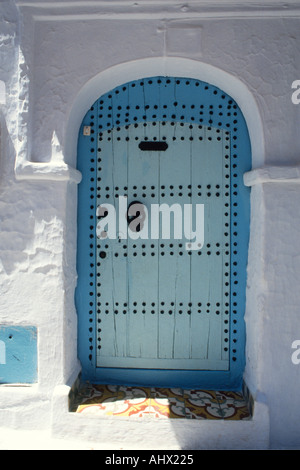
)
(208, 153)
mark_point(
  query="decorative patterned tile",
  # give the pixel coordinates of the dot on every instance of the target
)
(209, 411)
(97, 409)
(233, 405)
(159, 403)
(168, 403)
(200, 396)
(168, 407)
(138, 407)
(223, 396)
(167, 392)
(232, 412)
(202, 404)
(129, 393)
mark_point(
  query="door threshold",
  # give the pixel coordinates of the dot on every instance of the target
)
(159, 403)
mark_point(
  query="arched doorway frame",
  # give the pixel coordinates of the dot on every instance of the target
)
(180, 67)
(165, 66)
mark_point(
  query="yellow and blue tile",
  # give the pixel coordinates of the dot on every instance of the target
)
(159, 403)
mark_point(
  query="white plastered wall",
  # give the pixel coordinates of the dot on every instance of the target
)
(68, 56)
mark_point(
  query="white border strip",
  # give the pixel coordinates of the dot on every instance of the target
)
(273, 174)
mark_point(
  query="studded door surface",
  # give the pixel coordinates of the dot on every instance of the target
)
(150, 297)
(162, 305)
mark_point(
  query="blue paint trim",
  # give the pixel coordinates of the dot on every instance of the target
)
(203, 104)
(85, 293)
(19, 364)
(209, 380)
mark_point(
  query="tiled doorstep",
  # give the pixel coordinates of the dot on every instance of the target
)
(159, 403)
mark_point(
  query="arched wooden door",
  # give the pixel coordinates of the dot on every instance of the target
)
(163, 221)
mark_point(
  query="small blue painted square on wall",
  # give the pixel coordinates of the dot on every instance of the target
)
(18, 354)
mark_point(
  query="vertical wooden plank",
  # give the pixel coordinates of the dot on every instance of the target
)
(200, 267)
(174, 262)
(221, 236)
(142, 252)
(212, 190)
(183, 188)
(106, 340)
(119, 245)
(215, 226)
(167, 99)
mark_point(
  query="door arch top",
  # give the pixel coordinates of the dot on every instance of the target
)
(165, 66)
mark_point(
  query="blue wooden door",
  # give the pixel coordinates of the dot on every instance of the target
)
(162, 303)
(157, 245)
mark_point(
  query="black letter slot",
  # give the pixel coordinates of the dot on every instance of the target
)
(151, 145)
